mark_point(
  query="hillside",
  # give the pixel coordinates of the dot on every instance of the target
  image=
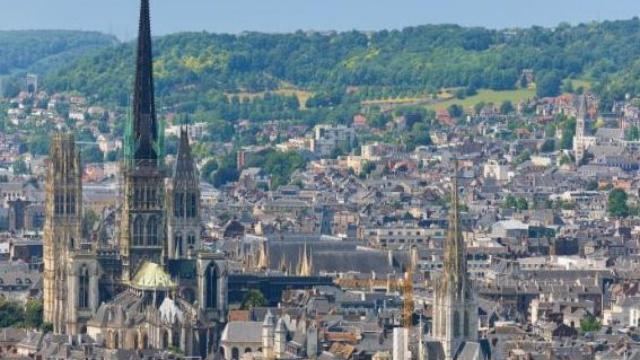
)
(411, 62)
(42, 51)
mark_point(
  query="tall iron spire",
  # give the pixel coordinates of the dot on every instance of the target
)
(454, 260)
(145, 142)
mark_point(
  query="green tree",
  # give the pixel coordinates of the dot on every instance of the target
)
(11, 314)
(633, 134)
(617, 203)
(33, 314)
(592, 185)
(549, 145)
(455, 111)
(506, 107)
(208, 168)
(252, 299)
(522, 204)
(548, 84)
(590, 324)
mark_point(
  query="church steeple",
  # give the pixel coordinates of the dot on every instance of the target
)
(454, 308)
(144, 135)
(454, 259)
(185, 166)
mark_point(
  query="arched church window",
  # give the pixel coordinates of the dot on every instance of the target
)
(192, 205)
(178, 204)
(152, 231)
(58, 203)
(466, 323)
(178, 244)
(175, 338)
(456, 324)
(138, 230)
(83, 293)
(211, 287)
(138, 197)
(71, 204)
(165, 339)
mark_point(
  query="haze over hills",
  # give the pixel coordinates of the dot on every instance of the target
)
(119, 16)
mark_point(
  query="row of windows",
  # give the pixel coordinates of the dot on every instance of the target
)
(145, 197)
(64, 205)
(191, 241)
(145, 234)
(185, 205)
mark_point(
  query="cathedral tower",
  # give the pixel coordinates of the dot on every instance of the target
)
(183, 204)
(579, 145)
(63, 224)
(142, 234)
(454, 309)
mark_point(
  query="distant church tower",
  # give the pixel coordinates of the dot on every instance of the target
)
(63, 228)
(183, 202)
(579, 143)
(142, 233)
(454, 310)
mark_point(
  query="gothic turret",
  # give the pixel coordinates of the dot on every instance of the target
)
(184, 203)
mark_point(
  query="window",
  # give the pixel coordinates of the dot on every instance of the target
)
(71, 204)
(456, 324)
(137, 197)
(211, 287)
(58, 203)
(192, 206)
(151, 197)
(466, 323)
(178, 244)
(83, 293)
(191, 240)
(138, 231)
(152, 231)
(178, 210)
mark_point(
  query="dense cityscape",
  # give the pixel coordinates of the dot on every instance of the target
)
(258, 213)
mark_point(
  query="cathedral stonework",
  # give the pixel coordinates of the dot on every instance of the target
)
(149, 285)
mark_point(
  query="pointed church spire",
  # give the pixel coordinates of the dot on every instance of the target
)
(185, 166)
(144, 141)
(454, 261)
(263, 256)
(582, 108)
(306, 265)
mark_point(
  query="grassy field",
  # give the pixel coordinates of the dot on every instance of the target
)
(302, 95)
(487, 96)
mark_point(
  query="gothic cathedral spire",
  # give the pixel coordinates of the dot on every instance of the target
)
(454, 309)
(144, 138)
(454, 261)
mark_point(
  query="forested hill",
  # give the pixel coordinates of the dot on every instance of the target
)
(41, 51)
(416, 60)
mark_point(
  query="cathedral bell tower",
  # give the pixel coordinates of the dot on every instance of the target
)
(183, 204)
(62, 229)
(142, 234)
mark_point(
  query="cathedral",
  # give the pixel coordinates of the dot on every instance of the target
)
(147, 284)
